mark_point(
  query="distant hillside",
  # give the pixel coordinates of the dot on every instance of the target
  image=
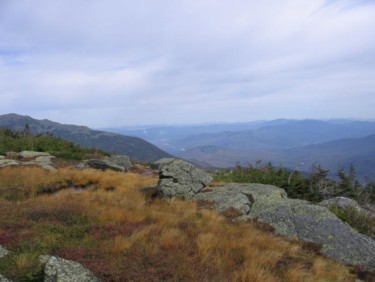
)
(333, 155)
(339, 154)
(275, 134)
(134, 147)
(282, 134)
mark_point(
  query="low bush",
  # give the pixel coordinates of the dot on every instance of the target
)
(363, 223)
(19, 141)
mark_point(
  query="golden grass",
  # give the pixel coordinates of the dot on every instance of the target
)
(200, 244)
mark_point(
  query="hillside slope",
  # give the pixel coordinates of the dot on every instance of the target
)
(134, 147)
(332, 155)
(281, 134)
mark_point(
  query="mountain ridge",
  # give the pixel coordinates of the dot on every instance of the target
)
(134, 147)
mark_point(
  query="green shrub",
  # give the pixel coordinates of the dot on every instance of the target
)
(363, 223)
(56, 146)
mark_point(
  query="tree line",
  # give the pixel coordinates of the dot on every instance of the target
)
(314, 187)
(16, 141)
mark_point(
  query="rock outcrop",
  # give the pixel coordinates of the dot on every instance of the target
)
(8, 162)
(121, 160)
(32, 154)
(291, 218)
(41, 159)
(347, 203)
(178, 178)
(116, 163)
(57, 269)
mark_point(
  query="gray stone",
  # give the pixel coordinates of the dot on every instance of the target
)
(48, 167)
(82, 165)
(121, 160)
(345, 203)
(57, 269)
(295, 219)
(2, 157)
(3, 279)
(339, 241)
(224, 200)
(11, 155)
(31, 154)
(45, 162)
(8, 162)
(160, 163)
(3, 252)
(180, 178)
(103, 165)
(44, 159)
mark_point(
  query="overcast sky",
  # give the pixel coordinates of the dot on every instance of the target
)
(106, 63)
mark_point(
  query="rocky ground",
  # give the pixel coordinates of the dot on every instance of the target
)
(294, 219)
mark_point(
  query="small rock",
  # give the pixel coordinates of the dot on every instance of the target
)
(2, 157)
(103, 165)
(82, 165)
(32, 154)
(3, 252)
(3, 279)
(48, 167)
(57, 269)
(8, 162)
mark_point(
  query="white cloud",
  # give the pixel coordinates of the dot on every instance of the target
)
(186, 61)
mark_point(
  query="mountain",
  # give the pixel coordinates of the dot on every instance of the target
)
(282, 134)
(134, 147)
(332, 155)
(275, 134)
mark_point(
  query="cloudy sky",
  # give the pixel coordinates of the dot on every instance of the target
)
(119, 62)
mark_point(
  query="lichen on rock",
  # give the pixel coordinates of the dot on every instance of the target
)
(57, 269)
(178, 178)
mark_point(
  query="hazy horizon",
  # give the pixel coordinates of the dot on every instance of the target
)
(145, 126)
(125, 63)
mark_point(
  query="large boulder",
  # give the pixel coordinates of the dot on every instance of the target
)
(295, 219)
(339, 241)
(121, 160)
(180, 178)
(57, 269)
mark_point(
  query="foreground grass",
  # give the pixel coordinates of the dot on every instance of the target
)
(112, 229)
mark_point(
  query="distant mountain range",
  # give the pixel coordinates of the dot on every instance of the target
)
(296, 144)
(134, 147)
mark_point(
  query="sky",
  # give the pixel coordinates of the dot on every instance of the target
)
(121, 63)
